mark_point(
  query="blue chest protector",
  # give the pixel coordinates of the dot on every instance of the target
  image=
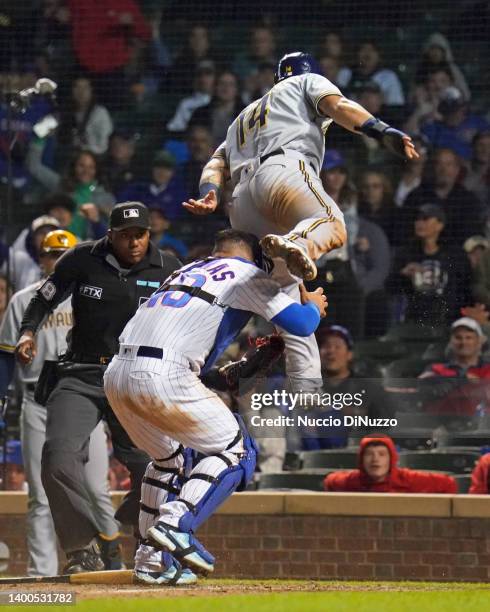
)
(231, 325)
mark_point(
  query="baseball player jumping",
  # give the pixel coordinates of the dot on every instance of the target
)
(154, 388)
(273, 153)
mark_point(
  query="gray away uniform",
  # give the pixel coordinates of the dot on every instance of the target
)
(274, 150)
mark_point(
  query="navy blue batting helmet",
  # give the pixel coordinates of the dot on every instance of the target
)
(293, 64)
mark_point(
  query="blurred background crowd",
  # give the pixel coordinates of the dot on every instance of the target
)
(146, 91)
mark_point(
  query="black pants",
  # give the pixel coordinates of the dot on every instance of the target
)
(74, 408)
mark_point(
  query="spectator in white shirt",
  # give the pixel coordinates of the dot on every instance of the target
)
(88, 125)
(204, 82)
(370, 68)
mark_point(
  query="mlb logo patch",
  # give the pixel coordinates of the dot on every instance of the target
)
(48, 290)
(130, 213)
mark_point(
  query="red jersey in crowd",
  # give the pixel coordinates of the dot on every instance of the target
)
(398, 480)
(100, 35)
(480, 478)
(474, 390)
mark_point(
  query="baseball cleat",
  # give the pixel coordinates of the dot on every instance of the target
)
(175, 575)
(184, 546)
(297, 260)
(86, 559)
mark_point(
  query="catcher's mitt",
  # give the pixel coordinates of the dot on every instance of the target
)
(256, 362)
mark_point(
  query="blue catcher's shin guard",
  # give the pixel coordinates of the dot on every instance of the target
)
(225, 472)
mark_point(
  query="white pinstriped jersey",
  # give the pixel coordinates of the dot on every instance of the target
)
(50, 338)
(194, 328)
(286, 117)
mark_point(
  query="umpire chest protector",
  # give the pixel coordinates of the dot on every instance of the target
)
(104, 295)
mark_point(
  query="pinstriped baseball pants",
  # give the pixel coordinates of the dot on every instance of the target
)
(162, 404)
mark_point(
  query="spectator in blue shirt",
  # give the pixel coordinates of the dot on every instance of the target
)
(457, 127)
(165, 190)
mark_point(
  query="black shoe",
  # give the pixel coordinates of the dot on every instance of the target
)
(111, 553)
(86, 559)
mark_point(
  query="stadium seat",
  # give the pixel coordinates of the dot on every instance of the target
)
(457, 449)
(311, 481)
(366, 368)
(414, 332)
(412, 439)
(478, 439)
(459, 462)
(380, 351)
(407, 438)
(339, 459)
(436, 351)
(463, 481)
(408, 367)
(418, 420)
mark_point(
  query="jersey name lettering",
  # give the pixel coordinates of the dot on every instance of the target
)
(59, 319)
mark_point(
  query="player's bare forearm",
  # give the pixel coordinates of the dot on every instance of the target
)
(347, 113)
(213, 178)
(215, 172)
(355, 118)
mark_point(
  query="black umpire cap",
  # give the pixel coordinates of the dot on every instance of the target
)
(129, 214)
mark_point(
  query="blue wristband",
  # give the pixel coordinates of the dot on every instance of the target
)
(205, 188)
(391, 138)
(373, 128)
(378, 129)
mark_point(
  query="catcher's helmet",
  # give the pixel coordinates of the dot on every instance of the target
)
(57, 241)
(294, 64)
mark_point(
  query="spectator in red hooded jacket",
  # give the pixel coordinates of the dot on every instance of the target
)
(103, 32)
(378, 473)
(480, 477)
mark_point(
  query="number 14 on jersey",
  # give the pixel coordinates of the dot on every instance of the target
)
(255, 118)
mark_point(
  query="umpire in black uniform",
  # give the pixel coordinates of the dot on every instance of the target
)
(108, 279)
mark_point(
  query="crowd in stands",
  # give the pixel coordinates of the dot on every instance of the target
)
(138, 118)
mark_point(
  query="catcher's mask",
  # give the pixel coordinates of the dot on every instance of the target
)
(260, 259)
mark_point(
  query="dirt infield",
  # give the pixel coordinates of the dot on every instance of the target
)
(210, 587)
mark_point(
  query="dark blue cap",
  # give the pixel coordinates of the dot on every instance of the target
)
(338, 330)
(332, 159)
(14, 452)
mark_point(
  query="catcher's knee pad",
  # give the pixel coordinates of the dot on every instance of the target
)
(161, 483)
(216, 477)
